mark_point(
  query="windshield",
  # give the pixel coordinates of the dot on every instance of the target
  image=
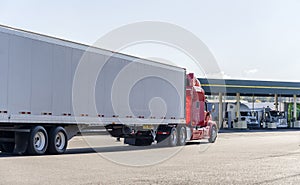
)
(253, 114)
(274, 113)
(245, 114)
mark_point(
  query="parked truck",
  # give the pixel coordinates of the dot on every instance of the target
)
(251, 117)
(229, 113)
(42, 105)
(277, 117)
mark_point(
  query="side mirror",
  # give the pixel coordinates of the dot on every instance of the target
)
(213, 108)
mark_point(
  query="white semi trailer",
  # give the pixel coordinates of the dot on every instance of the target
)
(51, 88)
(48, 91)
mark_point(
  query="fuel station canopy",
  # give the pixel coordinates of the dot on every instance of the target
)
(249, 87)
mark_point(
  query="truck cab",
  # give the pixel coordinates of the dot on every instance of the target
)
(277, 117)
(197, 116)
(197, 124)
(251, 117)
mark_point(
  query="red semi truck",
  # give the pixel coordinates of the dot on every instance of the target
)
(198, 123)
(52, 88)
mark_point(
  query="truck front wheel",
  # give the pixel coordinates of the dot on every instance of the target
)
(38, 141)
(213, 134)
(58, 140)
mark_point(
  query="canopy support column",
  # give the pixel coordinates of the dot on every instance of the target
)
(238, 105)
(220, 110)
(295, 108)
(276, 102)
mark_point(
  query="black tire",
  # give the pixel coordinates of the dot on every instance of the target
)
(173, 137)
(182, 136)
(7, 147)
(58, 140)
(37, 141)
(213, 134)
(169, 140)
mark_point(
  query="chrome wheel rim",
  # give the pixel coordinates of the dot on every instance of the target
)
(182, 135)
(60, 141)
(174, 137)
(39, 141)
(214, 133)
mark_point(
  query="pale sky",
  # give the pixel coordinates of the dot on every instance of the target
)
(250, 39)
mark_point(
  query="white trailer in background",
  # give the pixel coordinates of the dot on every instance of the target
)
(44, 101)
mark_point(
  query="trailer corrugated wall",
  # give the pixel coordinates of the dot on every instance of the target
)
(41, 81)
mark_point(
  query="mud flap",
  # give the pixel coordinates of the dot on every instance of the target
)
(21, 142)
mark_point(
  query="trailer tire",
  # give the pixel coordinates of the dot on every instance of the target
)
(37, 141)
(58, 140)
(213, 134)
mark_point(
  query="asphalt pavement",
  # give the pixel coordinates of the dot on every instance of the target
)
(271, 157)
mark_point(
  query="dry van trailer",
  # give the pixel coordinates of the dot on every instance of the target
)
(42, 102)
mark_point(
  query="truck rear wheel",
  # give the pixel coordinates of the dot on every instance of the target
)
(58, 140)
(181, 136)
(213, 134)
(173, 137)
(170, 138)
(38, 141)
